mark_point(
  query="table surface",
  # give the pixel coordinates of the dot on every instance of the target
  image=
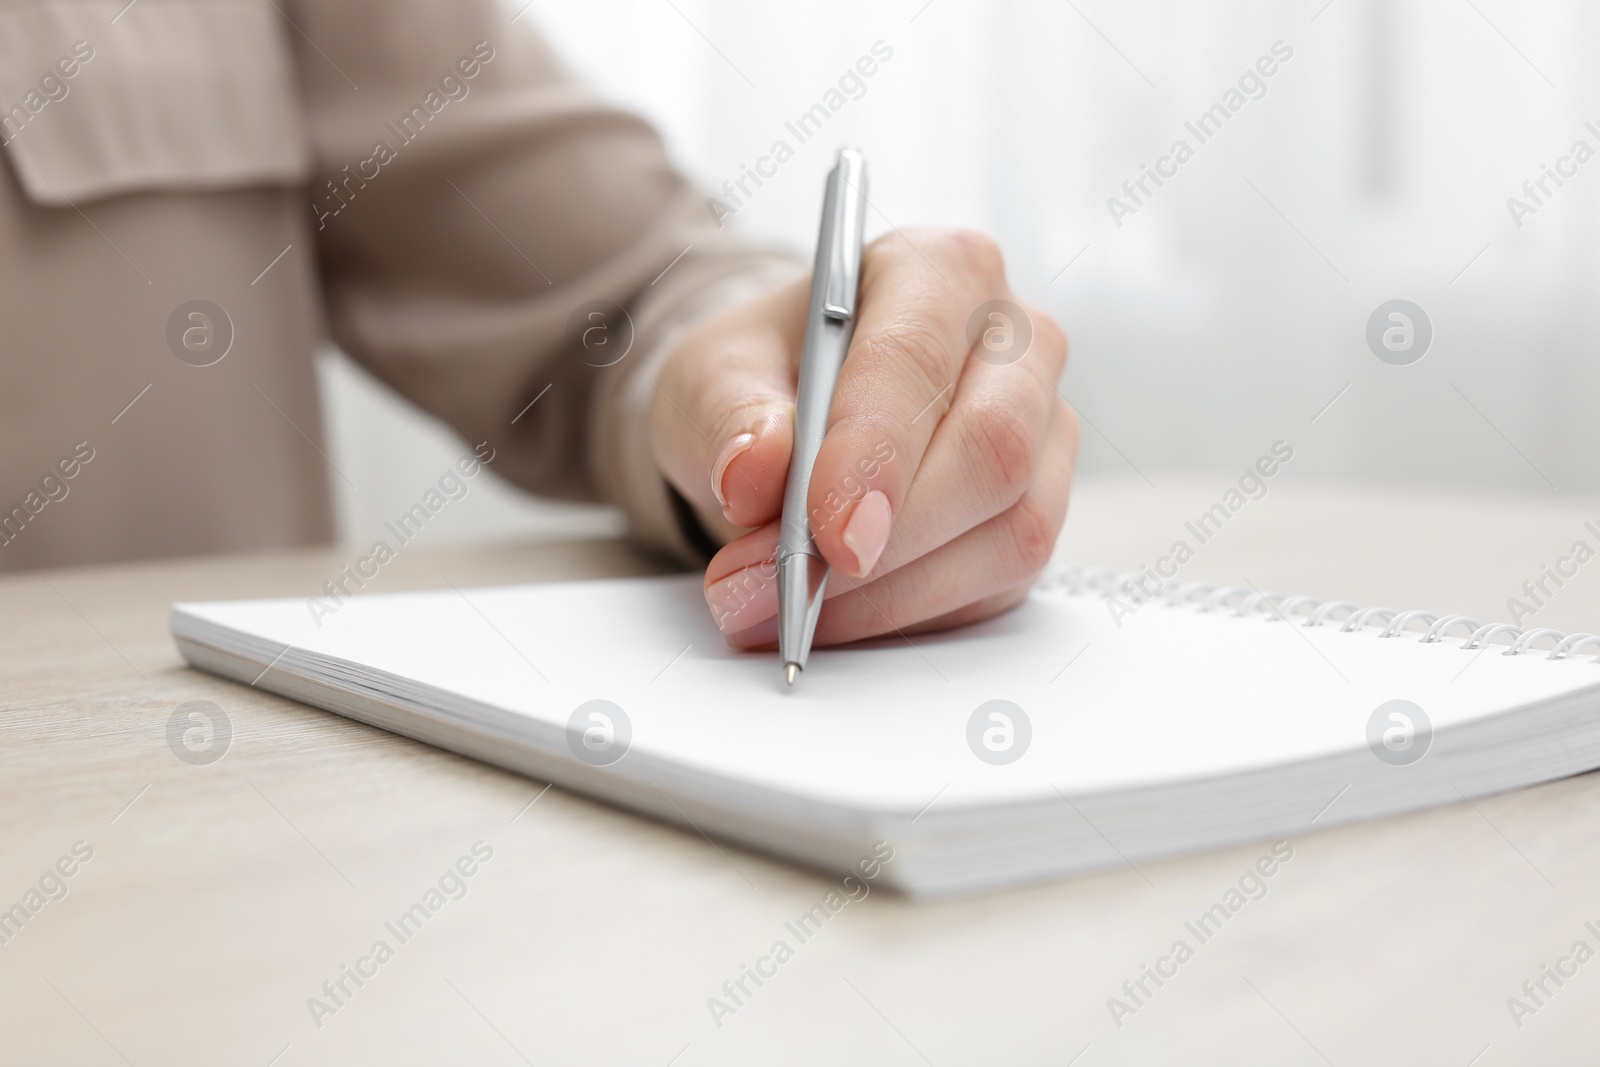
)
(220, 897)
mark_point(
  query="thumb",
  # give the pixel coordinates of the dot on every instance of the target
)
(722, 419)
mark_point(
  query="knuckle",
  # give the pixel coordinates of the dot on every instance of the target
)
(906, 346)
(1048, 334)
(880, 253)
(1070, 430)
(1006, 449)
(971, 250)
(1032, 527)
(980, 251)
(956, 244)
(738, 416)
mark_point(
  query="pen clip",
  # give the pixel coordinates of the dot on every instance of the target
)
(848, 196)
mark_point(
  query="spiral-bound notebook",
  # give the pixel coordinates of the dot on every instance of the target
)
(1094, 726)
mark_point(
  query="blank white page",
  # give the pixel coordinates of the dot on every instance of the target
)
(1173, 694)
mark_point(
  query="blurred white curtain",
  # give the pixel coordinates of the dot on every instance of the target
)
(1226, 313)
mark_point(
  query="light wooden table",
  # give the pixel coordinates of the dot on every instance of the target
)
(220, 897)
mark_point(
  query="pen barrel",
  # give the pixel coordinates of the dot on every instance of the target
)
(830, 324)
(826, 343)
(802, 583)
(802, 572)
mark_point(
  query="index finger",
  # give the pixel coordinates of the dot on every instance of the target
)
(897, 381)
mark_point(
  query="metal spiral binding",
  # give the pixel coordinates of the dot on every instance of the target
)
(1243, 601)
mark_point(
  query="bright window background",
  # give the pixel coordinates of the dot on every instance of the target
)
(1231, 308)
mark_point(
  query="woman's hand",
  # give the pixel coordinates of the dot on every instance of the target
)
(943, 480)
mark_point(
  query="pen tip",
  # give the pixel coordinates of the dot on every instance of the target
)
(790, 670)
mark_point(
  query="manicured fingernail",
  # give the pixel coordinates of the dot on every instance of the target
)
(719, 470)
(868, 531)
(744, 598)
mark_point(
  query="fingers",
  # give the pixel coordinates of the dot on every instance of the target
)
(943, 478)
(969, 577)
(741, 583)
(983, 454)
(974, 612)
(907, 354)
(722, 420)
(1006, 551)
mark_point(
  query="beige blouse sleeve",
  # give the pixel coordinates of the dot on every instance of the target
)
(479, 214)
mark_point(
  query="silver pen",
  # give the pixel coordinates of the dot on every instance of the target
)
(830, 323)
